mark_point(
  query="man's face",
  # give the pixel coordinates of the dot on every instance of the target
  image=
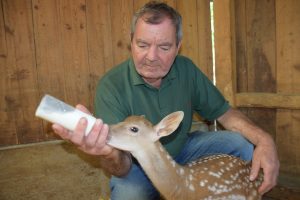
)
(154, 49)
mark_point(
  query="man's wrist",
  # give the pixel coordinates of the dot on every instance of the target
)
(117, 163)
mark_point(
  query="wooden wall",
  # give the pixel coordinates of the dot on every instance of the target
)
(258, 68)
(63, 47)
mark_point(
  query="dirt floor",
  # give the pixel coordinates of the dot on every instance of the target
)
(52, 171)
(58, 171)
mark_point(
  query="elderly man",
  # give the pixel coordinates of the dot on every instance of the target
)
(154, 82)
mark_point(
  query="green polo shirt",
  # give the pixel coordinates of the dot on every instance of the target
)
(122, 92)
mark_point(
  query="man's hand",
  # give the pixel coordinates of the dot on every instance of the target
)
(265, 158)
(94, 143)
(264, 155)
(112, 160)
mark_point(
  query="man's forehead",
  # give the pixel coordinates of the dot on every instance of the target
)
(163, 32)
(154, 19)
(166, 22)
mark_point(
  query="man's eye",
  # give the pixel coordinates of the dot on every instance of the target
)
(142, 46)
(165, 48)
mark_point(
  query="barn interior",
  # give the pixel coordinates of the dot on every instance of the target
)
(248, 48)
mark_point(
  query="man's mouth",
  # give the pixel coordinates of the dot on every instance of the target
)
(151, 65)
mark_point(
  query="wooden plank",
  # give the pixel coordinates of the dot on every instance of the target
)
(205, 61)
(227, 71)
(288, 73)
(75, 53)
(225, 48)
(241, 46)
(241, 50)
(261, 45)
(48, 42)
(7, 120)
(99, 42)
(172, 3)
(121, 14)
(288, 34)
(21, 70)
(49, 55)
(189, 48)
(257, 30)
(268, 100)
(137, 4)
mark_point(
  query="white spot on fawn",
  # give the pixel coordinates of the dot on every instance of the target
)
(181, 171)
(214, 174)
(191, 187)
(202, 183)
(173, 163)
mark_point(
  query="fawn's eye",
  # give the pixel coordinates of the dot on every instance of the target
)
(134, 129)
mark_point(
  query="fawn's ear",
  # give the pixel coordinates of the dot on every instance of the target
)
(168, 124)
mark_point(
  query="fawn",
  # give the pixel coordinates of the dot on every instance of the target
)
(213, 177)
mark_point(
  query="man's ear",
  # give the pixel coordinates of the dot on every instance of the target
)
(131, 37)
(168, 124)
(178, 46)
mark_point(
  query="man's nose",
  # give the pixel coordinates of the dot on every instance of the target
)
(152, 53)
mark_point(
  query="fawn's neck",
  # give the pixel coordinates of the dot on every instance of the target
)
(167, 176)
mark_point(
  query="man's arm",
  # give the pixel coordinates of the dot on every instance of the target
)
(265, 154)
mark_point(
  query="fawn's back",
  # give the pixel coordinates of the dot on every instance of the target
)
(222, 177)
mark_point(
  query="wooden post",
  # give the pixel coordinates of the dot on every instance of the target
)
(225, 48)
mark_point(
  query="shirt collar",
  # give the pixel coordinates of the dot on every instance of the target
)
(138, 80)
(135, 77)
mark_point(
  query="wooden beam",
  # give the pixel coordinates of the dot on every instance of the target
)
(225, 48)
(268, 100)
(205, 61)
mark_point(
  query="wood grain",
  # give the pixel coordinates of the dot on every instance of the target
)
(288, 73)
(20, 86)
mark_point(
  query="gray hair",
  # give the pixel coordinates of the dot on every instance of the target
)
(154, 12)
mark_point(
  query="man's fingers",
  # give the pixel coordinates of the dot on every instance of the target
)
(254, 170)
(61, 131)
(267, 184)
(83, 109)
(93, 136)
(265, 187)
(94, 143)
(78, 136)
(104, 134)
(269, 180)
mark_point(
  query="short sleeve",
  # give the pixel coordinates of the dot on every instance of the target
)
(207, 99)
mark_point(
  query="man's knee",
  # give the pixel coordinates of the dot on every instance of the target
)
(128, 191)
(135, 185)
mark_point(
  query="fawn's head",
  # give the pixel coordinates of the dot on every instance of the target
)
(136, 131)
